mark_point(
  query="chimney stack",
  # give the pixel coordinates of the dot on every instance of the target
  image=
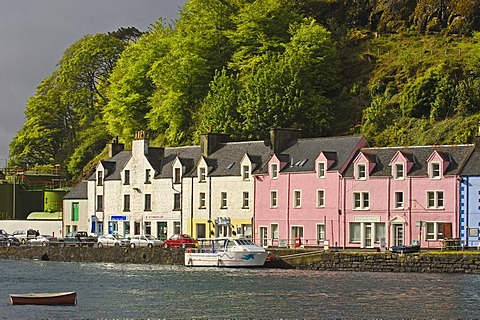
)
(209, 142)
(115, 147)
(279, 137)
(477, 139)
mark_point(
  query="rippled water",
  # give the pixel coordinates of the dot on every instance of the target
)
(122, 291)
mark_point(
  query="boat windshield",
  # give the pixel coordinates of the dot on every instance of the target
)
(245, 242)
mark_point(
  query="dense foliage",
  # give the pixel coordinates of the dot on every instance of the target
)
(398, 71)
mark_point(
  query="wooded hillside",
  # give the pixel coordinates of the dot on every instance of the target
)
(401, 72)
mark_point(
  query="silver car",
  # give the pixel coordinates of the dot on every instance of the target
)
(112, 240)
(145, 241)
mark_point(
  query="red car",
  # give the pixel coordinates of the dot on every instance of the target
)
(180, 240)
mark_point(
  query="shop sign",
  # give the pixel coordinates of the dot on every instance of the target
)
(222, 220)
(118, 218)
(154, 217)
(366, 219)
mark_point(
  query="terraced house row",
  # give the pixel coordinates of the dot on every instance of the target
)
(284, 191)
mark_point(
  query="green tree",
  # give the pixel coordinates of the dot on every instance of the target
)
(67, 103)
(131, 87)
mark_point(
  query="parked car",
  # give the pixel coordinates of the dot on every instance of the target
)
(24, 235)
(145, 241)
(43, 240)
(180, 240)
(3, 232)
(112, 240)
(8, 240)
(78, 239)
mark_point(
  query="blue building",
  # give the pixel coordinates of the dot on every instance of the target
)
(469, 197)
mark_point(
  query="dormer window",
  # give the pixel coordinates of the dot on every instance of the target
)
(361, 171)
(321, 169)
(398, 171)
(274, 171)
(435, 170)
(246, 172)
(147, 176)
(202, 174)
(100, 178)
(177, 175)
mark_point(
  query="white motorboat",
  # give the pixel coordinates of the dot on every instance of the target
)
(225, 252)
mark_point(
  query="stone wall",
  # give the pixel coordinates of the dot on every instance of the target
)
(86, 254)
(383, 262)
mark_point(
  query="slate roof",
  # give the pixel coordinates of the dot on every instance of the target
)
(78, 192)
(226, 159)
(302, 153)
(418, 154)
(187, 156)
(114, 165)
(471, 166)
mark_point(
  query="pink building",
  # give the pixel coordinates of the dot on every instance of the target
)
(402, 195)
(298, 195)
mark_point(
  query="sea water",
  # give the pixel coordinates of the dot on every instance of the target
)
(133, 291)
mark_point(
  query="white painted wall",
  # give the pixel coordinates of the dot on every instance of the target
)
(43, 226)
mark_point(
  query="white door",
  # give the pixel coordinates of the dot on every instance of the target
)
(263, 236)
(398, 238)
(368, 235)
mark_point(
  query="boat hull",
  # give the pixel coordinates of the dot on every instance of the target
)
(226, 259)
(54, 298)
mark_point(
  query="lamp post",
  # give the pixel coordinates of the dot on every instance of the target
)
(14, 194)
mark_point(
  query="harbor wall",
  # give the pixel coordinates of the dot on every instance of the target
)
(86, 254)
(461, 262)
(441, 262)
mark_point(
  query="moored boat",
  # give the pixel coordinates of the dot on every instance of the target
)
(405, 249)
(226, 252)
(47, 298)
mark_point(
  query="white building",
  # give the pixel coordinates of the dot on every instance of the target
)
(204, 190)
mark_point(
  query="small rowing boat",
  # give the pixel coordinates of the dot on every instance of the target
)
(50, 298)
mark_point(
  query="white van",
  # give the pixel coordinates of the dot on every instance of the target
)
(24, 235)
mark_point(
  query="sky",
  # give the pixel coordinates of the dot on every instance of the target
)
(34, 34)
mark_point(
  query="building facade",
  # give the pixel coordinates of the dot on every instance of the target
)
(402, 196)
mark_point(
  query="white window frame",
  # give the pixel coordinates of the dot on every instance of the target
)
(202, 174)
(320, 232)
(273, 199)
(435, 170)
(148, 176)
(201, 200)
(354, 232)
(223, 200)
(399, 203)
(246, 172)
(320, 198)
(274, 231)
(363, 199)
(297, 198)
(177, 175)
(274, 170)
(361, 173)
(435, 199)
(99, 178)
(246, 200)
(321, 169)
(399, 171)
(436, 233)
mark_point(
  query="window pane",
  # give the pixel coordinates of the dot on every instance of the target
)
(379, 231)
(354, 232)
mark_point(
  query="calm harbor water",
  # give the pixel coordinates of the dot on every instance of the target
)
(125, 291)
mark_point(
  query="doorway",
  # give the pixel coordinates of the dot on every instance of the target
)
(398, 235)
